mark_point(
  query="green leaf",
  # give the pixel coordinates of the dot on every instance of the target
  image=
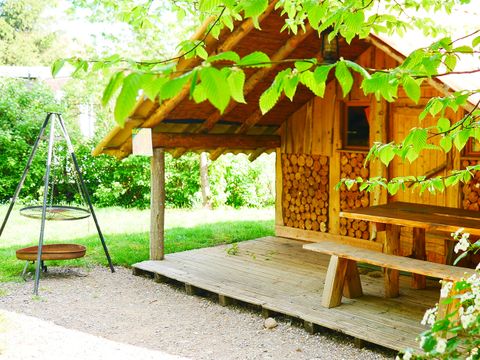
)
(112, 86)
(446, 143)
(315, 13)
(269, 98)
(304, 65)
(216, 87)
(254, 8)
(225, 56)
(151, 85)
(412, 88)
(419, 139)
(393, 188)
(255, 59)
(127, 98)
(386, 154)
(450, 62)
(236, 81)
(461, 138)
(209, 5)
(443, 124)
(201, 52)
(476, 41)
(173, 86)
(57, 66)
(290, 86)
(199, 94)
(344, 77)
(308, 79)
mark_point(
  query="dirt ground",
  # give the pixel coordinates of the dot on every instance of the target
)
(93, 314)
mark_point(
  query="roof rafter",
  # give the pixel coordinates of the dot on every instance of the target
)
(212, 141)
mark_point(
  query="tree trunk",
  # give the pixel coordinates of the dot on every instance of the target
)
(204, 182)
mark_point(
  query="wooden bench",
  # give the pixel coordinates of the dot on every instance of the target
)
(343, 277)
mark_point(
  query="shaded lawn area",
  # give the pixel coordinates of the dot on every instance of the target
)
(126, 233)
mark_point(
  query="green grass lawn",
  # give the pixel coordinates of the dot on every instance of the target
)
(126, 234)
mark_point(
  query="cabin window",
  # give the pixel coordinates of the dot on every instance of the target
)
(472, 148)
(356, 127)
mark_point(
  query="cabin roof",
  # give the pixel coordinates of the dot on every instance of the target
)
(179, 124)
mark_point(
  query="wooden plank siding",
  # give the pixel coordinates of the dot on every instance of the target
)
(316, 129)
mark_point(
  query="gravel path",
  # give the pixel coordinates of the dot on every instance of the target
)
(132, 310)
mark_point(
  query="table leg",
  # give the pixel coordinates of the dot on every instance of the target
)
(419, 252)
(352, 288)
(334, 282)
(392, 246)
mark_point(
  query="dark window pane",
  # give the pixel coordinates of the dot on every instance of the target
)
(357, 126)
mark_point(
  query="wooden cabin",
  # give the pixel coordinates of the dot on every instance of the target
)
(317, 142)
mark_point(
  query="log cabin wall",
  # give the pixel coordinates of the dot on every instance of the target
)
(315, 133)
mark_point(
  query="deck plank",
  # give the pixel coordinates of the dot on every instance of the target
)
(278, 275)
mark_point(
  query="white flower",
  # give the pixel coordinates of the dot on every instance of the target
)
(457, 233)
(407, 355)
(441, 345)
(467, 320)
(429, 317)
(466, 296)
(447, 286)
(463, 244)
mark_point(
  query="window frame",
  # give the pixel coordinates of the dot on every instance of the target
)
(344, 124)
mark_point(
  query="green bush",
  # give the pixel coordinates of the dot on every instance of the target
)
(23, 107)
(234, 180)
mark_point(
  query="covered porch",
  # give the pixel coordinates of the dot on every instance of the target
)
(277, 275)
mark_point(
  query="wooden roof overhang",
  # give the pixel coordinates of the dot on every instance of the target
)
(185, 122)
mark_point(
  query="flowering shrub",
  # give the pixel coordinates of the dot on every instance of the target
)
(455, 334)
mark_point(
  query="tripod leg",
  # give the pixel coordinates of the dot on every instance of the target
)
(85, 191)
(25, 172)
(25, 271)
(44, 209)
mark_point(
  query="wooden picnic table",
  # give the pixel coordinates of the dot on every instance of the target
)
(392, 216)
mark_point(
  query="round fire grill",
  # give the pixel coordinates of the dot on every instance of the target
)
(52, 252)
(55, 212)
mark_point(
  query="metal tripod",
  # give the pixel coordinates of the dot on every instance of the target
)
(52, 118)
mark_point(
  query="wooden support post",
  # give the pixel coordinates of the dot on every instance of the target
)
(352, 288)
(190, 289)
(159, 278)
(334, 281)
(225, 300)
(266, 313)
(378, 133)
(392, 246)
(359, 343)
(157, 205)
(311, 327)
(419, 252)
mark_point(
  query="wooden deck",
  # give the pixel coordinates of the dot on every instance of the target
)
(278, 275)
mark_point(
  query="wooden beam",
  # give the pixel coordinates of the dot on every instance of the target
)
(157, 208)
(213, 141)
(229, 43)
(291, 44)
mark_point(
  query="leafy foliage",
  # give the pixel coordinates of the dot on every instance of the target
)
(23, 37)
(454, 334)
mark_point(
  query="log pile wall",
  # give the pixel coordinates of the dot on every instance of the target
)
(471, 190)
(305, 191)
(351, 166)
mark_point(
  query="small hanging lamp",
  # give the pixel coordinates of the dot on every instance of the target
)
(330, 49)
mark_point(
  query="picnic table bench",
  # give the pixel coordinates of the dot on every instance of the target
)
(343, 278)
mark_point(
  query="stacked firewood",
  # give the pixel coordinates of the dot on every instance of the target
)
(471, 190)
(351, 166)
(305, 191)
